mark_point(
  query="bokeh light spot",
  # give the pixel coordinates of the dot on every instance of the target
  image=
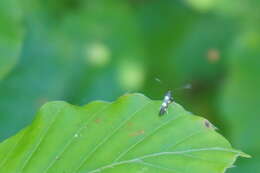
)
(202, 5)
(131, 75)
(213, 55)
(98, 54)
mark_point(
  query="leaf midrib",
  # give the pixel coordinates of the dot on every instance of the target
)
(138, 159)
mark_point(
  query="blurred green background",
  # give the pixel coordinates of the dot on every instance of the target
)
(84, 50)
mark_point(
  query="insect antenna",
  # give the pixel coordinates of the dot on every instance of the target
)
(186, 86)
(162, 83)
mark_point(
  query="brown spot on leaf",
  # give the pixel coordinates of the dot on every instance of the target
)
(97, 120)
(130, 124)
(137, 133)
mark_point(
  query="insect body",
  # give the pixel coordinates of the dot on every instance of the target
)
(168, 99)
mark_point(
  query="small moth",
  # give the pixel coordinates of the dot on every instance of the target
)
(168, 99)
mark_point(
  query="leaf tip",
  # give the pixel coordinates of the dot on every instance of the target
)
(238, 154)
(242, 154)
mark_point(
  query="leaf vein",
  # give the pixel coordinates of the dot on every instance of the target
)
(185, 138)
(71, 139)
(41, 139)
(10, 152)
(157, 166)
(110, 135)
(145, 137)
(137, 159)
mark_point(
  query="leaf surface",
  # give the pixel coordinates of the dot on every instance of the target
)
(123, 136)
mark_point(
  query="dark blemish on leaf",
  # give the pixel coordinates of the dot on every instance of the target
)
(137, 133)
(207, 124)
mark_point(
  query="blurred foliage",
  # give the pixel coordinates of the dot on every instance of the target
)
(78, 51)
(11, 33)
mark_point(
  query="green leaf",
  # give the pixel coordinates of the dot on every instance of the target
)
(124, 136)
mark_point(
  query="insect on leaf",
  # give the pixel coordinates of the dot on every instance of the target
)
(123, 136)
